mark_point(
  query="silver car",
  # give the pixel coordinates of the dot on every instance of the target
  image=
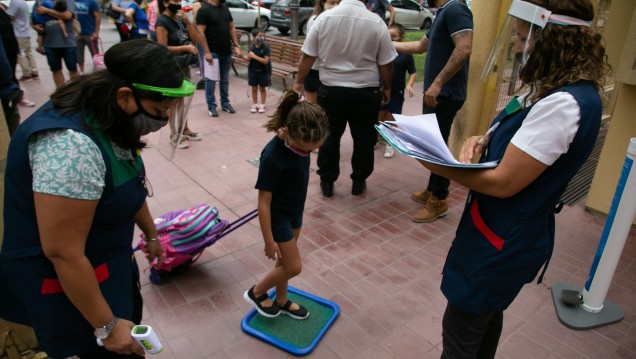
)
(281, 15)
(411, 14)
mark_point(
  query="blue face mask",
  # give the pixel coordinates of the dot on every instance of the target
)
(260, 40)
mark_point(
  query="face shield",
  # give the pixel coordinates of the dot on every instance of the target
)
(171, 104)
(513, 46)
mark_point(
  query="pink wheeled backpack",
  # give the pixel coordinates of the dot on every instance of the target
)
(184, 234)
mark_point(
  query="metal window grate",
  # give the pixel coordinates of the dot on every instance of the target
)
(579, 185)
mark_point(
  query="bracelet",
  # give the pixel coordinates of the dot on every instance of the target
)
(152, 239)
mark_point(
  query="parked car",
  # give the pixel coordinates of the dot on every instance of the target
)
(264, 3)
(411, 14)
(281, 15)
(245, 15)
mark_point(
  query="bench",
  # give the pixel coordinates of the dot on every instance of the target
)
(284, 55)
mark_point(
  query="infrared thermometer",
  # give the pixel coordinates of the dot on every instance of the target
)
(145, 336)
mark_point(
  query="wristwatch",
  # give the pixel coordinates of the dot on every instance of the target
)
(103, 332)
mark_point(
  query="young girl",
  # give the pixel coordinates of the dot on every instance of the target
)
(283, 177)
(258, 71)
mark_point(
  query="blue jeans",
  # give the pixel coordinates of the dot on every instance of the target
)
(210, 86)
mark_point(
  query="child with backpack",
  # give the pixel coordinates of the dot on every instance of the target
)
(283, 176)
(259, 70)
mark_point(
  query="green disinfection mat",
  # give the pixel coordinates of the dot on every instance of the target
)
(298, 337)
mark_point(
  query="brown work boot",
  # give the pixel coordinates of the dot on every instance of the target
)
(434, 209)
(421, 196)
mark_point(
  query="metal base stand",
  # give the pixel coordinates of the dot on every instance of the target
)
(575, 317)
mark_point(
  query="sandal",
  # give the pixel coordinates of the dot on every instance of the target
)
(300, 313)
(269, 312)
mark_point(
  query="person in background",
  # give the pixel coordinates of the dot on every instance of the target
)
(448, 45)
(283, 177)
(402, 65)
(18, 12)
(540, 140)
(57, 46)
(350, 73)
(380, 7)
(67, 267)
(137, 17)
(175, 31)
(195, 10)
(258, 70)
(89, 17)
(218, 38)
(153, 13)
(10, 93)
(121, 6)
(11, 49)
(312, 80)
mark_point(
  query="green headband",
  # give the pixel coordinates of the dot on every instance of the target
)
(186, 89)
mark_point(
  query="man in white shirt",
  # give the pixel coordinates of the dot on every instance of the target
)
(18, 11)
(355, 51)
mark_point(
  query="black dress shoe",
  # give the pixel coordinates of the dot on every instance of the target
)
(358, 187)
(326, 188)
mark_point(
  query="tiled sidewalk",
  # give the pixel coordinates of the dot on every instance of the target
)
(362, 252)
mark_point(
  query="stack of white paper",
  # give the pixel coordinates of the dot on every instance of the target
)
(419, 137)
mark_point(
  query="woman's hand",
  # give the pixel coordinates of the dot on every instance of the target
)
(120, 341)
(209, 58)
(191, 49)
(472, 146)
(182, 15)
(272, 251)
(154, 250)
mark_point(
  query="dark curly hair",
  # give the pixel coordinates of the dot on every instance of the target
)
(563, 54)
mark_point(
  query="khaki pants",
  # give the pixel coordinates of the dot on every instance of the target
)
(25, 57)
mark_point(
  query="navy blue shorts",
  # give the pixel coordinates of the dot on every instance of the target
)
(258, 78)
(54, 56)
(312, 81)
(283, 226)
(395, 104)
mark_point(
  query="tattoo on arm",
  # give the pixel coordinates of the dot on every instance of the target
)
(463, 47)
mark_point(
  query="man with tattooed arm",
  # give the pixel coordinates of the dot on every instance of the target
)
(448, 45)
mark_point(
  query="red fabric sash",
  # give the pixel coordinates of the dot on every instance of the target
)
(494, 239)
(53, 286)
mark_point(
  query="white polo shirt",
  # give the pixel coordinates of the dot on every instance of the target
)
(350, 42)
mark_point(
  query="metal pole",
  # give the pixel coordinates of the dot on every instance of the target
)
(588, 308)
(294, 5)
(619, 221)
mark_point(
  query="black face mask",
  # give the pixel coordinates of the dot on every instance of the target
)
(431, 3)
(173, 8)
(144, 122)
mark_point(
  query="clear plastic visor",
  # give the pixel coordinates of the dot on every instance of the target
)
(514, 41)
(172, 134)
(513, 44)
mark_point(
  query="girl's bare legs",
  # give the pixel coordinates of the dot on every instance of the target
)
(263, 95)
(255, 95)
(287, 267)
